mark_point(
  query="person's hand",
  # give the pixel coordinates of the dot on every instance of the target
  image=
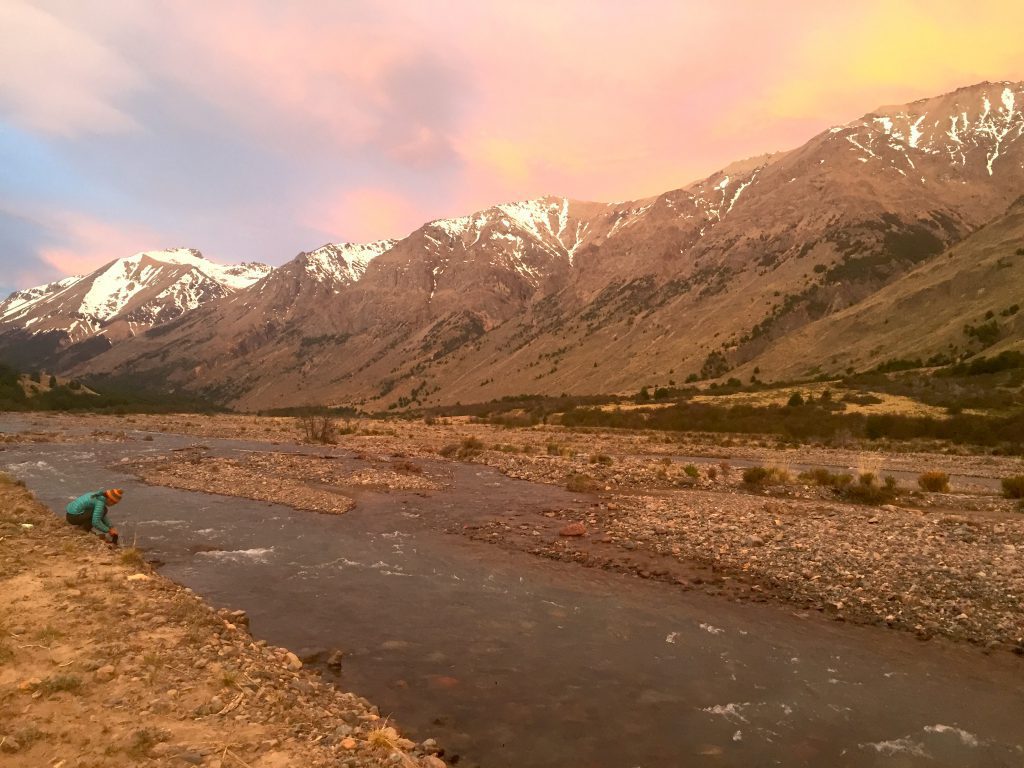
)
(113, 532)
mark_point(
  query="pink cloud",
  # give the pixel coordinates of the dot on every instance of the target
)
(442, 108)
(90, 243)
(364, 214)
(56, 79)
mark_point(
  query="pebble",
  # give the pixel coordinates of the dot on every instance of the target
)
(292, 661)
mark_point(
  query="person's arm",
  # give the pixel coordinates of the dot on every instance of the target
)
(99, 513)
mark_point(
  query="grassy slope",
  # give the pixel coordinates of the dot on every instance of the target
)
(921, 314)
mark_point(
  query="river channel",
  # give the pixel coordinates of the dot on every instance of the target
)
(511, 660)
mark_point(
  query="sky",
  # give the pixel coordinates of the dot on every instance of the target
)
(253, 130)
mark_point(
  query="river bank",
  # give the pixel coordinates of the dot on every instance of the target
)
(105, 663)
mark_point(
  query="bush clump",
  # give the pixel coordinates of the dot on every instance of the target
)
(601, 458)
(467, 449)
(825, 478)
(691, 471)
(936, 482)
(867, 490)
(765, 476)
(1013, 487)
(318, 429)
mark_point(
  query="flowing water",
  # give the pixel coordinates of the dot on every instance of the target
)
(510, 660)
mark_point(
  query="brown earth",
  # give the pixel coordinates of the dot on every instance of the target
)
(104, 663)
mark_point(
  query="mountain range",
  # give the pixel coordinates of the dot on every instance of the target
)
(898, 234)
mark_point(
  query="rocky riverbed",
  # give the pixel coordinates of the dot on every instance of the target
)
(105, 663)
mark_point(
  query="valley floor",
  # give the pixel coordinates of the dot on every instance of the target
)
(668, 507)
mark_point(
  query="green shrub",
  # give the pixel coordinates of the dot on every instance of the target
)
(795, 399)
(691, 471)
(554, 449)
(936, 482)
(1013, 487)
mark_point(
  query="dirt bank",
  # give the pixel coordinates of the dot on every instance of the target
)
(105, 663)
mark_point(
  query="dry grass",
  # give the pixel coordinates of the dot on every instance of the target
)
(132, 557)
(60, 684)
(936, 482)
(48, 634)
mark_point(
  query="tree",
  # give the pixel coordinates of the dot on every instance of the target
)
(795, 399)
(53, 381)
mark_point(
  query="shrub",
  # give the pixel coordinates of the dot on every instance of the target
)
(936, 482)
(554, 449)
(318, 429)
(691, 471)
(821, 476)
(580, 483)
(1013, 487)
(868, 491)
(765, 476)
(449, 450)
(795, 399)
(60, 684)
(470, 447)
(601, 458)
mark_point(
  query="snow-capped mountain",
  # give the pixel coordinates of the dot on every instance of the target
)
(339, 264)
(121, 299)
(556, 295)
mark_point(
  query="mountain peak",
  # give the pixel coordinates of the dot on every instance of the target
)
(343, 262)
(135, 292)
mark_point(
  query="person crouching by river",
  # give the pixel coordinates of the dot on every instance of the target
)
(89, 512)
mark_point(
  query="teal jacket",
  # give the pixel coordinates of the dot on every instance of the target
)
(94, 503)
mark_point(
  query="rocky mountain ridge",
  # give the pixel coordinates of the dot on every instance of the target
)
(117, 301)
(557, 295)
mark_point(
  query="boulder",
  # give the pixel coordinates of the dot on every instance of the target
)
(573, 529)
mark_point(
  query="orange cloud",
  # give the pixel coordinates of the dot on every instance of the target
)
(90, 243)
(886, 53)
(365, 214)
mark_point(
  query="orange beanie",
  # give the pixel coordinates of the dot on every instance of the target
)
(114, 495)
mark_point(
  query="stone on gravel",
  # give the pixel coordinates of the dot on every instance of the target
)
(105, 674)
(573, 529)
